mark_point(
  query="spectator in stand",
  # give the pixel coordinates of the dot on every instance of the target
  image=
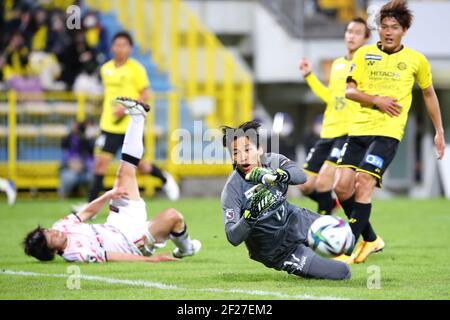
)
(78, 57)
(18, 20)
(16, 68)
(96, 37)
(39, 26)
(78, 160)
(57, 42)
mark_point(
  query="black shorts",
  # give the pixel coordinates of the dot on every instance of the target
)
(109, 142)
(369, 154)
(325, 150)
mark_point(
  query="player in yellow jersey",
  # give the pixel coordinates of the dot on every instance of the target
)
(320, 164)
(381, 80)
(122, 76)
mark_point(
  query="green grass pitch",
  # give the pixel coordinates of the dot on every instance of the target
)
(414, 265)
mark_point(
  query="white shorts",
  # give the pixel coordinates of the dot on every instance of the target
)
(130, 217)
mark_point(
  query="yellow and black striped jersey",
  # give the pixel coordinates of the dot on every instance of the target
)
(339, 110)
(128, 80)
(391, 75)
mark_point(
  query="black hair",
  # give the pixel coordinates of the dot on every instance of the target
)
(248, 129)
(35, 245)
(123, 34)
(362, 21)
(397, 9)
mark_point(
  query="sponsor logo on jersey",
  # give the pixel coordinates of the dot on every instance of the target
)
(375, 160)
(388, 74)
(401, 66)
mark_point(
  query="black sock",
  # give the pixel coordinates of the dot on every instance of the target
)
(348, 206)
(313, 196)
(326, 202)
(360, 218)
(130, 159)
(368, 233)
(97, 187)
(157, 172)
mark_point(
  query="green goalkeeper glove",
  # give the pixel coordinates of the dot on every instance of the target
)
(261, 201)
(267, 176)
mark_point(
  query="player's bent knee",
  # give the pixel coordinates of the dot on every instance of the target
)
(343, 190)
(365, 181)
(324, 183)
(308, 187)
(173, 215)
(305, 189)
(101, 165)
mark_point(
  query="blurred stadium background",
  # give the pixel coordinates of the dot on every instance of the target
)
(214, 61)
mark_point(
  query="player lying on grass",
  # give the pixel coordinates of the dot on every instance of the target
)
(126, 235)
(255, 209)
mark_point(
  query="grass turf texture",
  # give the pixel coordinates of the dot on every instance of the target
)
(414, 265)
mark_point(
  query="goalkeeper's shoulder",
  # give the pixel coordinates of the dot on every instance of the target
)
(296, 174)
(275, 160)
(232, 185)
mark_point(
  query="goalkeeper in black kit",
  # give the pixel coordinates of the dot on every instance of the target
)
(255, 209)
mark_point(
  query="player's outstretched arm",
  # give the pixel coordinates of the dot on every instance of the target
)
(384, 104)
(296, 174)
(96, 205)
(128, 257)
(317, 87)
(432, 103)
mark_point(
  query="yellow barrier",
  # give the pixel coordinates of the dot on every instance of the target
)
(37, 115)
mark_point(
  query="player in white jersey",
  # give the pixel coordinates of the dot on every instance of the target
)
(126, 235)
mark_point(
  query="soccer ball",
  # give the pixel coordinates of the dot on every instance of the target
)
(330, 236)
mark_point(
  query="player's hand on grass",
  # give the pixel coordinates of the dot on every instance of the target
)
(162, 257)
(261, 200)
(305, 67)
(388, 105)
(439, 142)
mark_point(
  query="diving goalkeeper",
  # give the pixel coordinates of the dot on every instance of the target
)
(255, 209)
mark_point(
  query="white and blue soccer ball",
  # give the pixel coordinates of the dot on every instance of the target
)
(330, 236)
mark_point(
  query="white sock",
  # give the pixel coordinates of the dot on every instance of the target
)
(183, 241)
(133, 144)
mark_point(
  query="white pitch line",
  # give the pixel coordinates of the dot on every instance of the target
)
(162, 286)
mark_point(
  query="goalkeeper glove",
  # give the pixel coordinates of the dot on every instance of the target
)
(282, 176)
(261, 201)
(267, 176)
